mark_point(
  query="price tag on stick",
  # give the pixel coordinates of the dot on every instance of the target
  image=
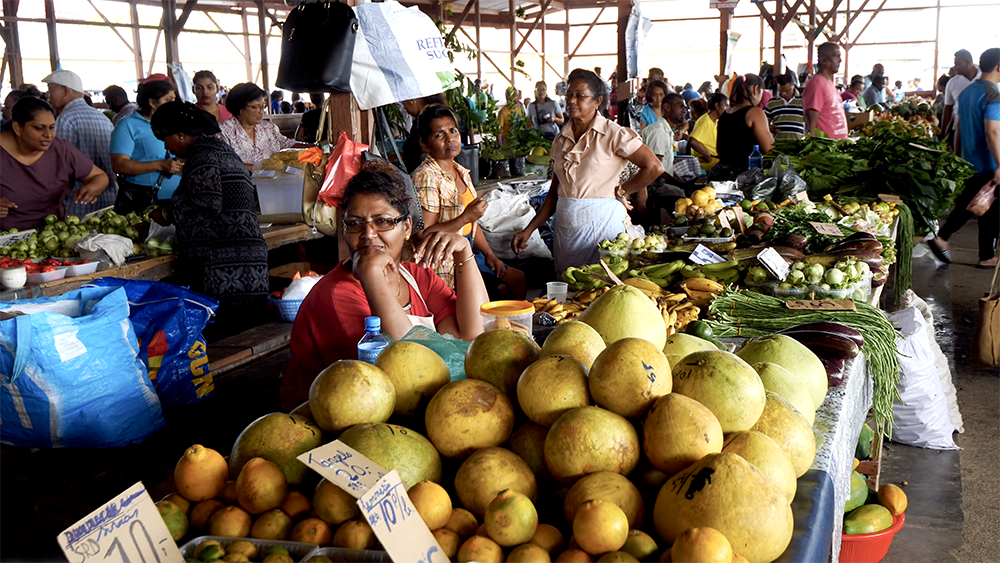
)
(774, 263)
(397, 524)
(702, 255)
(822, 305)
(739, 218)
(827, 229)
(127, 528)
(345, 467)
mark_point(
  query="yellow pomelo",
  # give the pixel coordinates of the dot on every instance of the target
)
(683, 344)
(396, 447)
(576, 339)
(468, 415)
(767, 456)
(550, 387)
(612, 487)
(499, 357)
(489, 471)
(628, 376)
(350, 392)
(678, 432)
(623, 312)
(590, 439)
(416, 372)
(794, 357)
(781, 422)
(723, 491)
(786, 384)
(724, 383)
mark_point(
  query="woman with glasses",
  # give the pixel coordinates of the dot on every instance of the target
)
(253, 138)
(220, 249)
(587, 159)
(377, 228)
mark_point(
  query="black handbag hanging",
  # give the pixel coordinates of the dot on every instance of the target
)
(317, 48)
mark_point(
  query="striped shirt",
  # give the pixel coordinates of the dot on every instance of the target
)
(787, 117)
(89, 130)
(438, 192)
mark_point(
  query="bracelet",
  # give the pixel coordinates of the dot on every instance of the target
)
(462, 263)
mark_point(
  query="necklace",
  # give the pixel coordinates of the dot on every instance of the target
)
(399, 287)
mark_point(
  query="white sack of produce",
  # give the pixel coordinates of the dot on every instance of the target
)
(509, 212)
(922, 420)
(117, 247)
(301, 287)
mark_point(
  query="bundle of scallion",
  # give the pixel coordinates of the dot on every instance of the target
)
(743, 313)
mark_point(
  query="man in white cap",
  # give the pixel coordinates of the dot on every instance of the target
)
(88, 129)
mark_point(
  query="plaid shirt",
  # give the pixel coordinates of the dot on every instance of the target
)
(439, 194)
(89, 130)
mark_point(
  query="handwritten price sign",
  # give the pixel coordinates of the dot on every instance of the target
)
(128, 528)
(396, 523)
(345, 467)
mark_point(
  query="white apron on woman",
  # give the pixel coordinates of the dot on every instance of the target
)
(580, 225)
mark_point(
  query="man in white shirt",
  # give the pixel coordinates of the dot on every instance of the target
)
(966, 73)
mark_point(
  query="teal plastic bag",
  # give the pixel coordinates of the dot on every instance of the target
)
(451, 349)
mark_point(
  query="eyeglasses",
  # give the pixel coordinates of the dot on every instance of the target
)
(381, 224)
(256, 107)
(578, 96)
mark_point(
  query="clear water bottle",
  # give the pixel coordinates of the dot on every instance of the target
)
(372, 344)
(756, 159)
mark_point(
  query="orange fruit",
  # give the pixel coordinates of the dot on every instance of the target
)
(549, 538)
(511, 518)
(462, 522)
(333, 504)
(529, 553)
(174, 518)
(201, 473)
(203, 511)
(701, 545)
(432, 503)
(480, 549)
(574, 556)
(448, 541)
(230, 522)
(296, 505)
(600, 526)
(355, 534)
(181, 502)
(312, 530)
(261, 486)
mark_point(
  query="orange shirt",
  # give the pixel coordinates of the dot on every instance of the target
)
(589, 167)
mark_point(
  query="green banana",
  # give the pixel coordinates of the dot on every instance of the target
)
(663, 271)
(567, 276)
(658, 281)
(719, 266)
(689, 272)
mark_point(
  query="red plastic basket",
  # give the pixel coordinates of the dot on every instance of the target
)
(869, 548)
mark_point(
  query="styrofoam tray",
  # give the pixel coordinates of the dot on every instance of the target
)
(46, 277)
(708, 239)
(298, 551)
(80, 269)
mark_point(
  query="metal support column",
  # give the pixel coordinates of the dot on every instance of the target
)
(513, 40)
(566, 55)
(50, 26)
(261, 20)
(812, 33)
(246, 44)
(543, 47)
(937, 44)
(479, 31)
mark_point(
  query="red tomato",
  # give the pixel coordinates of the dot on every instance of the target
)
(66, 262)
(48, 268)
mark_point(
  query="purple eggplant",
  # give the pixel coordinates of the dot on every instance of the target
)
(796, 241)
(860, 235)
(827, 344)
(789, 253)
(834, 370)
(826, 326)
(846, 246)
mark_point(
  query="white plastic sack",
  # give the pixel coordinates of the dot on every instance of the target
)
(301, 287)
(910, 299)
(923, 419)
(399, 55)
(508, 213)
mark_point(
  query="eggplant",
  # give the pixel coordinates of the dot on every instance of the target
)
(834, 370)
(789, 253)
(828, 259)
(860, 235)
(835, 328)
(879, 281)
(827, 344)
(869, 245)
(796, 241)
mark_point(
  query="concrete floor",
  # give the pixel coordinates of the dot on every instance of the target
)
(954, 496)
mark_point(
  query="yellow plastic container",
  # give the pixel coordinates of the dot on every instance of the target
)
(514, 315)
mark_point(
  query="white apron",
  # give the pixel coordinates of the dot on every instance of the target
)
(580, 225)
(427, 322)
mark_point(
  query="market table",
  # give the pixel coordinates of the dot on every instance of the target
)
(154, 268)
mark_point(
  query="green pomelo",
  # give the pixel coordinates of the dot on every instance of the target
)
(279, 438)
(622, 312)
(590, 439)
(724, 383)
(767, 456)
(499, 357)
(784, 424)
(794, 357)
(489, 471)
(350, 392)
(395, 447)
(575, 339)
(628, 376)
(683, 344)
(550, 387)
(416, 372)
(678, 432)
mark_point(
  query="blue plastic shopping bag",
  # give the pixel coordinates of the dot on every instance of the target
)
(168, 321)
(70, 373)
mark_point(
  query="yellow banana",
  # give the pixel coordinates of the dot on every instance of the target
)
(645, 286)
(673, 297)
(702, 284)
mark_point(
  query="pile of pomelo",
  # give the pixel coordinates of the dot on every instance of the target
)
(611, 442)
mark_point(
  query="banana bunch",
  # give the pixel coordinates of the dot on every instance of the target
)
(561, 312)
(677, 312)
(701, 291)
(723, 272)
(579, 278)
(660, 274)
(586, 297)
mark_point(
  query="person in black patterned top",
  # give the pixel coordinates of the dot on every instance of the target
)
(220, 248)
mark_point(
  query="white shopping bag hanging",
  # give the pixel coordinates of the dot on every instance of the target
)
(399, 55)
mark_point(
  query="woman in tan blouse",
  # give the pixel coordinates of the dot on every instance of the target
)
(587, 158)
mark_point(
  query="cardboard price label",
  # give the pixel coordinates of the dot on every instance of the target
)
(774, 263)
(740, 220)
(802, 196)
(127, 528)
(397, 524)
(889, 198)
(823, 305)
(345, 467)
(702, 255)
(827, 229)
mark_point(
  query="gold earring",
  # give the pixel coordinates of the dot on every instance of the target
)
(407, 237)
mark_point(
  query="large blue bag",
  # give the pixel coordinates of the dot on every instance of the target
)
(168, 321)
(71, 375)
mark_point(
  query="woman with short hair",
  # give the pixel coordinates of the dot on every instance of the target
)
(248, 133)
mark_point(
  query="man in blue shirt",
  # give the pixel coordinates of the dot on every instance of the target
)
(979, 129)
(88, 129)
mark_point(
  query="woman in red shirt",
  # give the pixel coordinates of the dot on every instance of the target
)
(377, 227)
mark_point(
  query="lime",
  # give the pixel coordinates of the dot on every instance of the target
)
(747, 205)
(699, 329)
(276, 550)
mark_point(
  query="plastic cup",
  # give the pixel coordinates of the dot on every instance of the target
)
(557, 290)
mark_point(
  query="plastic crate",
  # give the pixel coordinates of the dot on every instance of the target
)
(287, 308)
(298, 551)
(341, 555)
(46, 277)
(869, 548)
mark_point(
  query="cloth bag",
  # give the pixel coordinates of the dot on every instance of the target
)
(70, 373)
(988, 336)
(399, 55)
(168, 321)
(317, 44)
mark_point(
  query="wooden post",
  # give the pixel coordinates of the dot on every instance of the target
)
(778, 28)
(50, 26)
(262, 19)
(136, 42)
(725, 23)
(169, 33)
(543, 47)
(566, 55)
(624, 11)
(513, 41)
(812, 34)
(12, 42)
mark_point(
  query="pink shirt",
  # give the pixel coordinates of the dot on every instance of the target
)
(821, 95)
(589, 167)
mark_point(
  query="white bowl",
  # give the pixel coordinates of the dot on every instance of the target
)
(13, 278)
